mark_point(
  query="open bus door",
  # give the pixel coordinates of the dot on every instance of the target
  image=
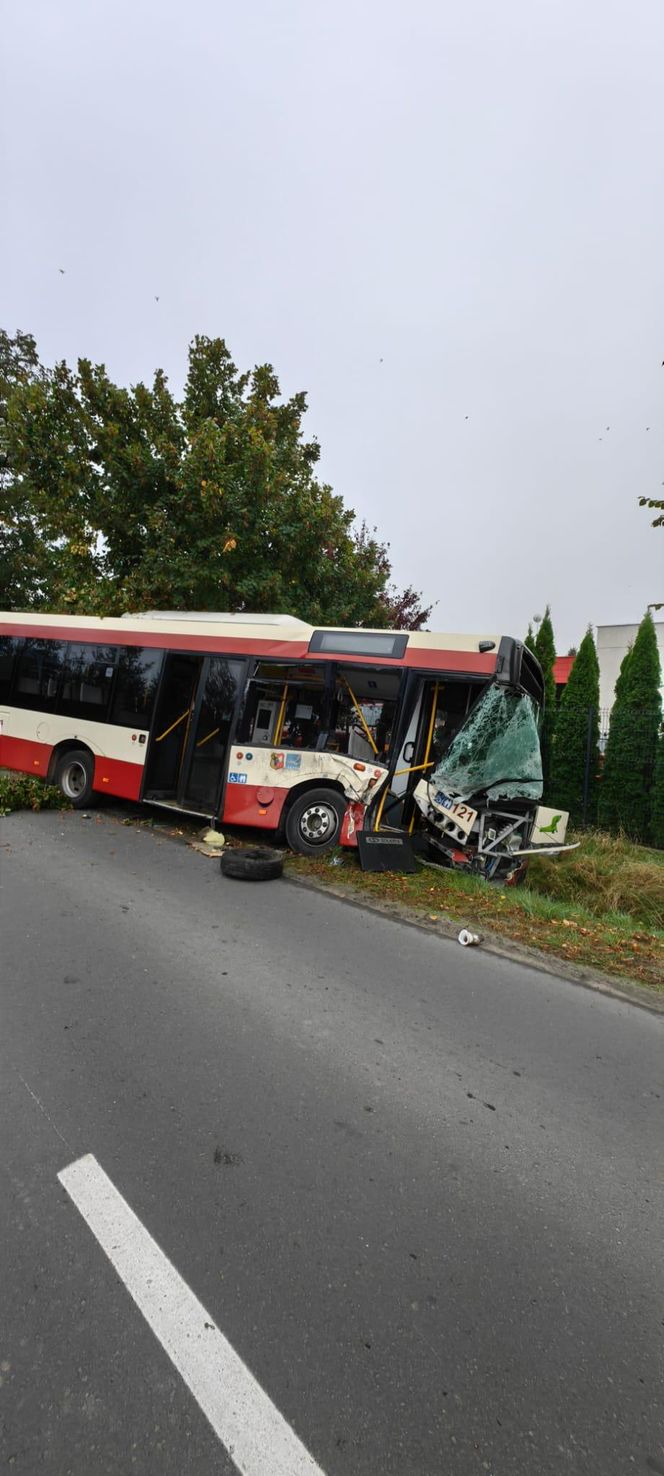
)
(434, 709)
(187, 759)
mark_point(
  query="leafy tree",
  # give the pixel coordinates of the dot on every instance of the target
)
(657, 797)
(577, 736)
(209, 502)
(403, 609)
(545, 651)
(530, 639)
(631, 749)
(656, 505)
(26, 560)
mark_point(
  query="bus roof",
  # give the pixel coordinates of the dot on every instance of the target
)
(276, 635)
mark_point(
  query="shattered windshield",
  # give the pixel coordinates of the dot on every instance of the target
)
(497, 750)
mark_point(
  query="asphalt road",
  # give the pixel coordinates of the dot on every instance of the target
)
(418, 1188)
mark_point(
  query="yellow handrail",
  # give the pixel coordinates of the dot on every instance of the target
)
(381, 807)
(179, 720)
(432, 720)
(415, 769)
(280, 718)
(207, 737)
(361, 716)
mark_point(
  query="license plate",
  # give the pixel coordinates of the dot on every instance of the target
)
(461, 814)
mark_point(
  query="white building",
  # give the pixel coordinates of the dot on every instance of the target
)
(613, 642)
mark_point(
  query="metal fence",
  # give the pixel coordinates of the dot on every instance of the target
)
(644, 750)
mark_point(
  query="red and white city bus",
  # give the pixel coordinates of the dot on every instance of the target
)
(264, 721)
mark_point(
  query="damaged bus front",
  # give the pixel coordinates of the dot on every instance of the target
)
(481, 798)
(474, 783)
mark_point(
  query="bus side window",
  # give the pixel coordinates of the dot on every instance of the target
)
(37, 682)
(9, 646)
(454, 702)
(302, 720)
(363, 713)
(88, 673)
(139, 669)
(284, 710)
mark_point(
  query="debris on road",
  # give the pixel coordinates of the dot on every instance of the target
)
(468, 939)
(213, 838)
(252, 863)
(209, 842)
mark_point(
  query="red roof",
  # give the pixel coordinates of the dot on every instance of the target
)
(562, 667)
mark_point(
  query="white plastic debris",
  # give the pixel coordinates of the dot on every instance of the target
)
(468, 939)
(213, 838)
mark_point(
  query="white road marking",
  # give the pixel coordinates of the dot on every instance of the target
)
(256, 1436)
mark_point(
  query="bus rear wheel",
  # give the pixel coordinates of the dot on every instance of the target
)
(74, 776)
(313, 823)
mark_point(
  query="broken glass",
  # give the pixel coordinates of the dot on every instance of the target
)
(497, 751)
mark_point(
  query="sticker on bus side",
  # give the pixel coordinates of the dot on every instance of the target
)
(237, 778)
(293, 760)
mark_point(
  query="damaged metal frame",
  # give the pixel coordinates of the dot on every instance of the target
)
(465, 822)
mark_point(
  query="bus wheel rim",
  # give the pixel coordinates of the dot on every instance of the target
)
(318, 823)
(74, 780)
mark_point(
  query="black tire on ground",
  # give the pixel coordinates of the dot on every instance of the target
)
(252, 863)
(313, 823)
(74, 776)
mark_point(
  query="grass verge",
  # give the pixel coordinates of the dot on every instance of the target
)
(586, 922)
(607, 874)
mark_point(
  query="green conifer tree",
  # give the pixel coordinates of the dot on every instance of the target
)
(545, 651)
(631, 750)
(607, 814)
(657, 798)
(577, 737)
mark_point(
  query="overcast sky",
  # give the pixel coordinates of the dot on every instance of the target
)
(445, 222)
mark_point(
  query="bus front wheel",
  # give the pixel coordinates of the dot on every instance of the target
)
(74, 775)
(313, 823)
